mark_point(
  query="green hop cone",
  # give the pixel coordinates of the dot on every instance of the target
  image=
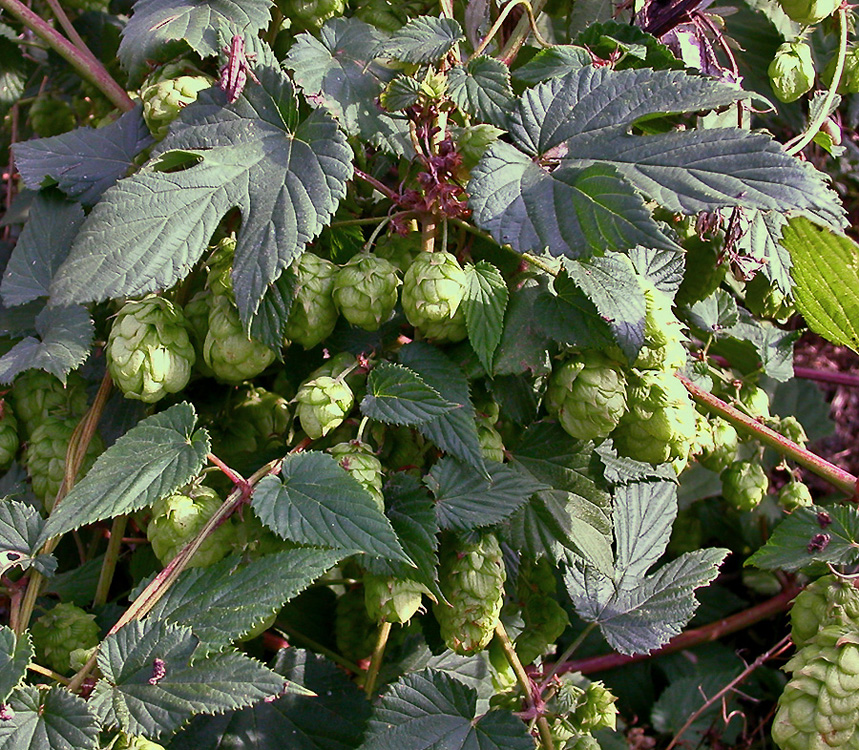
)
(755, 400)
(791, 72)
(323, 404)
(163, 101)
(795, 495)
(543, 617)
(354, 630)
(829, 600)
(588, 395)
(744, 484)
(491, 442)
(149, 350)
(9, 441)
(365, 291)
(724, 448)
(660, 423)
(219, 278)
(359, 460)
(231, 354)
(37, 394)
(849, 83)
(471, 577)
(663, 336)
(767, 300)
(390, 599)
(267, 414)
(59, 632)
(400, 250)
(50, 115)
(45, 456)
(433, 290)
(313, 314)
(179, 517)
(807, 12)
(789, 427)
(819, 708)
(597, 710)
(196, 312)
(310, 15)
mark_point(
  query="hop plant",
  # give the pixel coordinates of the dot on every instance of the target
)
(795, 495)
(163, 101)
(8, 434)
(323, 403)
(491, 442)
(50, 115)
(400, 250)
(231, 354)
(543, 617)
(471, 577)
(830, 600)
(807, 12)
(390, 599)
(433, 289)
(37, 394)
(365, 291)
(313, 314)
(660, 423)
(791, 72)
(359, 460)
(724, 447)
(849, 83)
(663, 336)
(354, 630)
(179, 517)
(219, 278)
(310, 15)
(45, 457)
(266, 414)
(60, 631)
(588, 395)
(744, 484)
(196, 312)
(149, 351)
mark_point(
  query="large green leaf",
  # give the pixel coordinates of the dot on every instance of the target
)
(431, 709)
(423, 39)
(15, 654)
(398, 395)
(524, 342)
(318, 502)
(51, 719)
(484, 304)
(826, 272)
(150, 687)
(481, 88)
(285, 177)
(152, 459)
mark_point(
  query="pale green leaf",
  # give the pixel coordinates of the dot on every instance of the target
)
(424, 39)
(52, 719)
(16, 652)
(714, 313)
(484, 304)
(398, 395)
(644, 513)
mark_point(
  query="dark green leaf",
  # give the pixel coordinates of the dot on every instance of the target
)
(424, 39)
(606, 40)
(158, 455)
(134, 696)
(14, 69)
(482, 89)
(804, 400)
(431, 709)
(16, 653)
(64, 338)
(523, 347)
(454, 432)
(401, 93)
(663, 267)
(318, 502)
(84, 162)
(20, 531)
(273, 311)
(398, 395)
(827, 535)
(227, 600)
(52, 719)
(751, 345)
(554, 62)
(484, 304)
(762, 240)
(572, 319)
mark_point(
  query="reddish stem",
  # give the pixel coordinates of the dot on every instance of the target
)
(827, 376)
(380, 186)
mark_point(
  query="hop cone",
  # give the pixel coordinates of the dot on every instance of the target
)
(433, 289)
(196, 312)
(819, 708)
(588, 395)
(849, 83)
(8, 434)
(228, 350)
(808, 12)
(50, 115)
(724, 449)
(755, 400)
(310, 15)
(544, 618)
(471, 577)
(162, 102)
(795, 495)
(354, 630)
(660, 423)
(179, 517)
(37, 394)
(219, 278)
(59, 632)
(491, 442)
(744, 484)
(149, 351)
(400, 251)
(46, 456)
(323, 404)
(829, 600)
(365, 291)
(313, 314)
(663, 348)
(791, 72)
(266, 413)
(360, 461)
(390, 599)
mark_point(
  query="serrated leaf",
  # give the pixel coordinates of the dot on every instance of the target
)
(20, 531)
(644, 513)
(467, 500)
(662, 267)
(454, 432)
(484, 304)
(431, 709)
(808, 535)
(481, 88)
(605, 40)
(15, 654)
(554, 62)
(64, 338)
(572, 320)
(223, 602)
(619, 470)
(285, 177)
(159, 29)
(14, 69)
(401, 93)
(42, 246)
(86, 161)
(134, 695)
(337, 71)
(751, 345)
(52, 719)
(524, 344)
(715, 313)
(158, 455)
(424, 39)
(318, 502)
(826, 273)
(762, 240)
(333, 719)
(398, 395)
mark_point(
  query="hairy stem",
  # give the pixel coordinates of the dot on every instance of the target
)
(376, 659)
(111, 557)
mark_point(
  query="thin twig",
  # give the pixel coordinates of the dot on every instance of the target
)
(376, 659)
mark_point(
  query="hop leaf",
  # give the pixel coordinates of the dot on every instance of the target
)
(360, 461)
(365, 291)
(62, 630)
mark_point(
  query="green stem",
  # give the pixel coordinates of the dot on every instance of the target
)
(294, 635)
(68, 27)
(569, 651)
(796, 145)
(111, 557)
(520, 33)
(56, 676)
(376, 659)
(529, 20)
(541, 264)
(836, 476)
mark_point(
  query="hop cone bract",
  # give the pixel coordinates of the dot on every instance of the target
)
(433, 289)
(744, 484)
(9, 441)
(390, 599)
(829, 600)
(37, 394)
